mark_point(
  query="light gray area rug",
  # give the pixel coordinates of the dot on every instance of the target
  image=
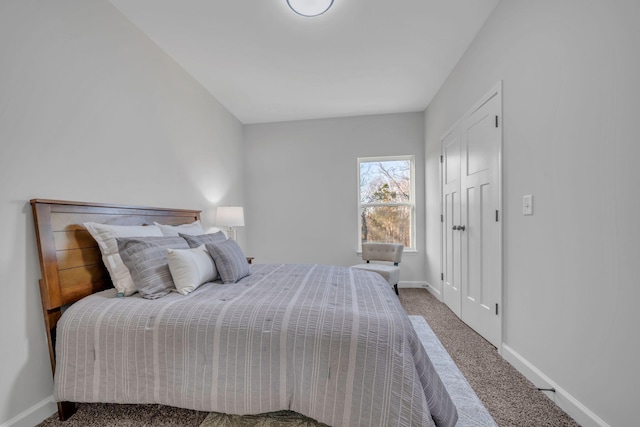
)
(471, 412)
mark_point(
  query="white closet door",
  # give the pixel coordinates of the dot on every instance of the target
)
(480, 202)
(451, 218)
(471, 229)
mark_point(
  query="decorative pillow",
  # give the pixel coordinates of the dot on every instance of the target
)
(146, 258)
(195, 241)
(230, 261)
(106, 236)
(194, 228)
(190, 268)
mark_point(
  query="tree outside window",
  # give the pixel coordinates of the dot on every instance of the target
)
(386, 200)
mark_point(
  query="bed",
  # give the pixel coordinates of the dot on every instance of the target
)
(329, 342)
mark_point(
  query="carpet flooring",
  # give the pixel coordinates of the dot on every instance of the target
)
(471, 411)
(510, 398)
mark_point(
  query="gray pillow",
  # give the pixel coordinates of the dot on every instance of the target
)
(231, 263)
(203, 239)
(146, 259)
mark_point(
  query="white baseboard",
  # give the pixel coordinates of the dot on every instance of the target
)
(434, 291)
(561, 397)
(33, 415)
(583, 415)
(407, 284)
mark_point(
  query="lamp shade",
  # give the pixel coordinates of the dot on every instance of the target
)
(310, 7)
(230, 216)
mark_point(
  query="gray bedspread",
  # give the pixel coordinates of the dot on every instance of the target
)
(331, 343)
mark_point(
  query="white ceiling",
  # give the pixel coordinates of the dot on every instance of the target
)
(265, 63)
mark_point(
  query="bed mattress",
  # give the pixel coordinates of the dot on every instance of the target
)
(332, 343)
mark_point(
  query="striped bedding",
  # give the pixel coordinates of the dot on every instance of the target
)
(331, 343)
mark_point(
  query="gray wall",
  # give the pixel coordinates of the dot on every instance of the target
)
(571, 88)
(301, 186)
(91, 110)
(83, 93)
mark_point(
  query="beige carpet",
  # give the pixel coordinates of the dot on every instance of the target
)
(113, 415)
(510, 398)
(273, 419)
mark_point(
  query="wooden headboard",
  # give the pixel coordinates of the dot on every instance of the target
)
(70, 261)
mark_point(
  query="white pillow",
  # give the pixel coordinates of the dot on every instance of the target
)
(106, 236)
(190, 268)
(193, 229)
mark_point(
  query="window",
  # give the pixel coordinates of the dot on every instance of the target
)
(386, 204)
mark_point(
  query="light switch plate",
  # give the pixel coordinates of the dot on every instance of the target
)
(527, 204)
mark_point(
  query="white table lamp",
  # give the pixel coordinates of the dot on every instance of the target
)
(230, 216)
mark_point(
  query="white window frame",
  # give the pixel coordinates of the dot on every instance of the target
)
(411, 204)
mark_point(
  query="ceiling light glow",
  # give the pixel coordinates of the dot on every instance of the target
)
(309, 7)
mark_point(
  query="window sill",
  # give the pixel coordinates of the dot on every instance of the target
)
(404, 252)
